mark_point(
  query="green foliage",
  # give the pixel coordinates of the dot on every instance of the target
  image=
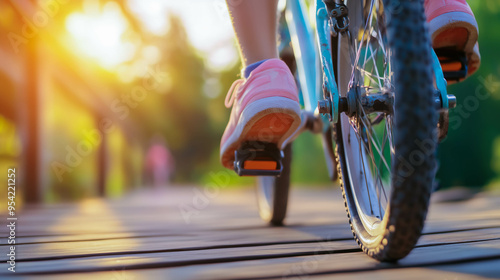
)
(308, 161)
(177, 109)
(467, 156)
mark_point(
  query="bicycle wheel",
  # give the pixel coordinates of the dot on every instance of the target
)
(387, 160)
(272, 192)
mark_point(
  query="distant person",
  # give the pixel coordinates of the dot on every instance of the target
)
(266, 96)
(159, 163)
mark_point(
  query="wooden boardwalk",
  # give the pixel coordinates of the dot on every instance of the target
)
(184, 233)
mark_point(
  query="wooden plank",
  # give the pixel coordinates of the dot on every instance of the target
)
(202, 239)
(487, 269)
(276, 262)
(177, 253)
(302, 232)
(163, 214)
(473, 270)
(341, 264)
(162, 217)
(99, 218)
(257, 233)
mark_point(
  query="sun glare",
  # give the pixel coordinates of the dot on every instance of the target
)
(98, 32)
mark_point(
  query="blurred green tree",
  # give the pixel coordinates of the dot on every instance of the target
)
(466, 156)
(179, 110)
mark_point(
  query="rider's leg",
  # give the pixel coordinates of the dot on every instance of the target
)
(254, 23)
(265, 104)
(452, 24)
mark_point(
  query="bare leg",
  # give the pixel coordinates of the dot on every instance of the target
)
(254, 23)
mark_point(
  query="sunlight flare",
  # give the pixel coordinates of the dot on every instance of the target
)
(98, 34)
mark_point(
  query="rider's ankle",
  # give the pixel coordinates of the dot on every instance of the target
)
(247, 70)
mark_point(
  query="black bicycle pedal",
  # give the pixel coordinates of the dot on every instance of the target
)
(453, 63)
(255, 158)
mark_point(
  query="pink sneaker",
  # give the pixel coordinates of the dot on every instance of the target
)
(265, 108)
(452, 24)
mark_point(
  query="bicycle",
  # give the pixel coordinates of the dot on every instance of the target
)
(373, 87)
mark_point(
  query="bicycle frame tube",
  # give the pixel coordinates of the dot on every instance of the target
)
(324, 42)
(440, 80)
(305, 53)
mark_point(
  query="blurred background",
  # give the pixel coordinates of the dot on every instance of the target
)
(102, 97)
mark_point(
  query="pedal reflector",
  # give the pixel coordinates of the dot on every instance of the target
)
(260, 165)
(255, 158)
(452, 66)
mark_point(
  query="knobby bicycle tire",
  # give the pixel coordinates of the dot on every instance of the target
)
(272, 192)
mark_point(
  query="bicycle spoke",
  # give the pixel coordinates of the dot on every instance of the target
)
(364, 171)
(358, 52)
(369, 75)
(380, 42)
(375, 172)
(366, 124)
(389, 132)
(376, 69)
(380, 160)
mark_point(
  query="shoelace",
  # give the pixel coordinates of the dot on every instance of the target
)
(231, 95)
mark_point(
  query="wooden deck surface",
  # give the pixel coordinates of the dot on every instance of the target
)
(184, 233)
